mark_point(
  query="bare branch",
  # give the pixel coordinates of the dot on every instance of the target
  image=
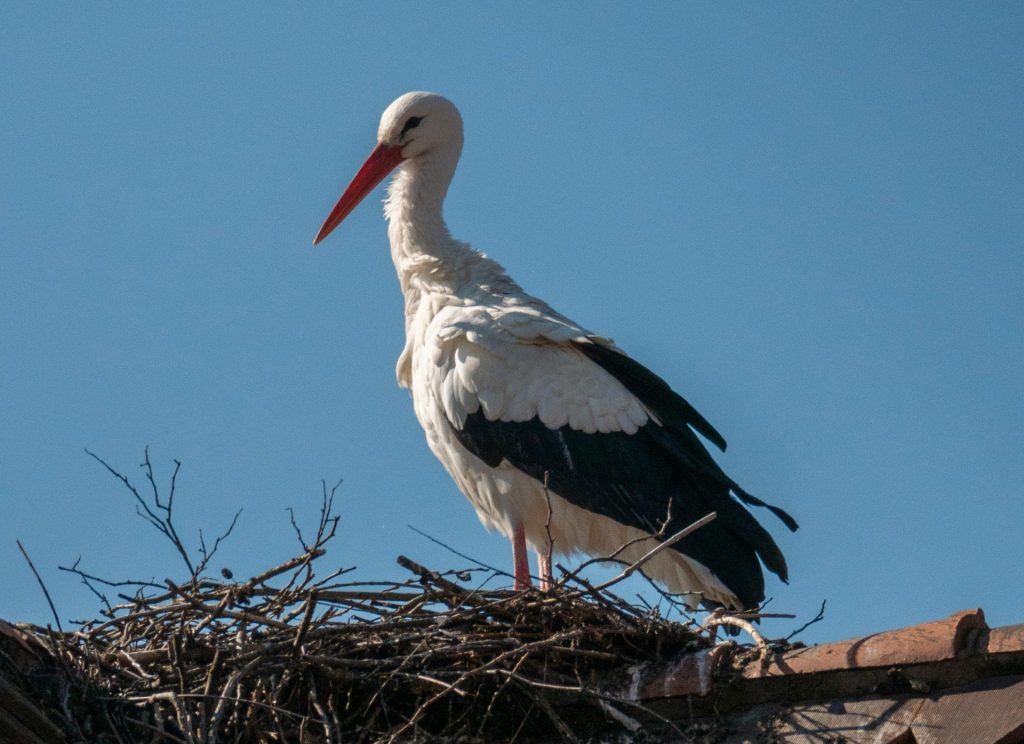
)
(163, 524)
(547, 522)
(42, 585)
(450, 549)
(817, 618)
(126, 582)
(207, 556)
(633, 567)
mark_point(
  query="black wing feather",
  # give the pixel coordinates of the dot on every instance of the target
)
(676, 413)
(641, 479)
(632, 479)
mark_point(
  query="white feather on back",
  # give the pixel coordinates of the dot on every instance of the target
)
(516, 365)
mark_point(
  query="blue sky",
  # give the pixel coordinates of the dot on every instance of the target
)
(808, 218)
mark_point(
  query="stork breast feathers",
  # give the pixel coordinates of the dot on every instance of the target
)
(520, 365)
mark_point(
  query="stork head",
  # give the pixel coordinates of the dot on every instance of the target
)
(416, 127)
(420, 123)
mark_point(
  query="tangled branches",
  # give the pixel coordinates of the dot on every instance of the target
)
(286, 656)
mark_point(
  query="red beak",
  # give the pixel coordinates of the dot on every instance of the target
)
(382, 161)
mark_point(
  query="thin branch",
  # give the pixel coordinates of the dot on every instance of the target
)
(295, 526)
(127, 582)
(168, 522)
(817, 618)
(163, 524)
(614, 556)
(547, 522)
(450, 549)
(208, 556)
(42, 585)
(633, 567)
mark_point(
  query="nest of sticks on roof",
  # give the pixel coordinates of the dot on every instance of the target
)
(429, 659)
(286, 656)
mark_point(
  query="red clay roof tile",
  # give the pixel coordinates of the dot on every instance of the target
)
(941, 640)
(1004, 640)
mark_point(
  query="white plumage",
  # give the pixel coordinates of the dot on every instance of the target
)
(510, 392)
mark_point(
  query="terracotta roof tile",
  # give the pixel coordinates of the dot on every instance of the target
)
(1003, 640)
(951, 681)
(951, 638)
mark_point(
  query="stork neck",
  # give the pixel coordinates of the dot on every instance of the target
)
(422, 249)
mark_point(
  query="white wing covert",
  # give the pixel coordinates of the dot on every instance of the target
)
(517, 365)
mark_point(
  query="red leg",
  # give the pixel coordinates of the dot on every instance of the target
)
(521, 560)
(544, 571)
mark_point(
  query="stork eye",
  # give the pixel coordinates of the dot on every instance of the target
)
(411, 123)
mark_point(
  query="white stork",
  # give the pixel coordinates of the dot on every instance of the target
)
(513, 395)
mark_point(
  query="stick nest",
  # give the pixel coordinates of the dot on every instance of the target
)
(289, 657)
